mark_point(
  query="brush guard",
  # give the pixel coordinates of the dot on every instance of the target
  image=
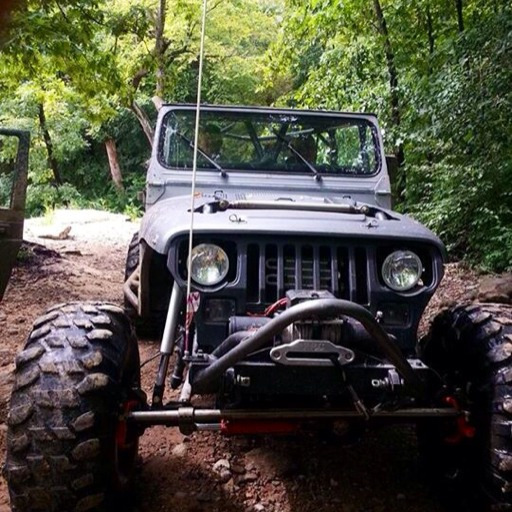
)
(206, 380)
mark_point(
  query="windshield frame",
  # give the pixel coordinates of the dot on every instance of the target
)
(368, 119)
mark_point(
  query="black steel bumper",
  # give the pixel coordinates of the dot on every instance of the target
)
(206, 376)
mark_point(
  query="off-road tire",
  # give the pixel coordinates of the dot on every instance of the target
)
(132, 262)
(132, 256)
(76, 373)
(151, 327)
(471, 348)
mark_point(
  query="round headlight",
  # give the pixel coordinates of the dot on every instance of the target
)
(210, 264)
(402, 270)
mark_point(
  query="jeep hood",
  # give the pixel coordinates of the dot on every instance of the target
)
(170, 218)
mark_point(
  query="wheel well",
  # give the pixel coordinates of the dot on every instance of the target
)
(155, 282)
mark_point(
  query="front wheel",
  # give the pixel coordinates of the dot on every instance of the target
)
(152, 326)
(471, 348)
(67, 448)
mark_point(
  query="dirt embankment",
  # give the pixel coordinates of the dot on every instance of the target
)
(205, 472)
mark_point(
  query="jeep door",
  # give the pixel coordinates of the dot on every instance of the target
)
(14, 148)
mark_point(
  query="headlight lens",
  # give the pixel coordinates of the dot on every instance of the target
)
(210, 264)
(402, 270)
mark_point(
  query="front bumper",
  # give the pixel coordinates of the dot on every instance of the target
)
(206, 373)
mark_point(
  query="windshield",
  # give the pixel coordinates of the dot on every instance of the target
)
(270, 142)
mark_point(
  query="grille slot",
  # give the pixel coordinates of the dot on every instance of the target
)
(361, 275)
(307, 270)
(253, 273)
(289, 265)
(271, 273)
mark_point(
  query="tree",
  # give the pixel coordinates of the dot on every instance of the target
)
(71, 70)
(436, 73)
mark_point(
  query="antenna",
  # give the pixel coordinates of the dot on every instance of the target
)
(191, 302)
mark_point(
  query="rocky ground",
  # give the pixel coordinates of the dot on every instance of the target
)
(205, 471)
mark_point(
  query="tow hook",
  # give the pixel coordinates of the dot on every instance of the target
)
(463, 428)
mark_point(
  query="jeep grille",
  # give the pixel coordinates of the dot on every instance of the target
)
(274, 268)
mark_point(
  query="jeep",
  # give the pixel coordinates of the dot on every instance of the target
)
(286, 292)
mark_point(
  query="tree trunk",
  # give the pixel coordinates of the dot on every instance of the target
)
(431, 49)
(460, 26)
(115, 169)
(160, 49)
(158, 102)
(52, 162)
(460, 18)
(144, 121)
(393, 86)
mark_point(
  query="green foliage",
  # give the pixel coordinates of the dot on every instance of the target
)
(5, 190)
(44, 197)
(86, 61)
(455, 103)
(465, 191)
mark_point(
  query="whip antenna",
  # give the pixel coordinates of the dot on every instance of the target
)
(192, 302)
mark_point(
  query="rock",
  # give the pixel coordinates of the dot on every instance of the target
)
(246, 478)
(239, 469)
(222, 468)
(259, 507)
(229, 487)
(179, 450)
(62, 235)
(220, 465)
(496, 289)
(225, 475)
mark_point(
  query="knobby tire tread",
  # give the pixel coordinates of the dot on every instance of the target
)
(473, 344)
(77, 363)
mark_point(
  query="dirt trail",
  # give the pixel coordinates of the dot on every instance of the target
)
(204, 471)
